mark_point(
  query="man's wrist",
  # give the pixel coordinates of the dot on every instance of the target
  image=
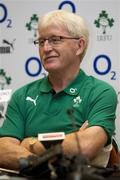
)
(32, 142)
(35, 146)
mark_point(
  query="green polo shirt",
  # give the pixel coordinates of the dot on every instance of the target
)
(35, 108)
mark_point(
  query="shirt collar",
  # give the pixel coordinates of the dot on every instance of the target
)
(45, 85)
(72, 89)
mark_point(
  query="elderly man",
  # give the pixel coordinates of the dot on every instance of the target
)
(42, 106)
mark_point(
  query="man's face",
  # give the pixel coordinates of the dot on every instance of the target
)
(58, 55)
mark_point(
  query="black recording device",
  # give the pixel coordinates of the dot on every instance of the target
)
(39, 166)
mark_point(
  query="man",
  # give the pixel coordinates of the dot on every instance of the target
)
(45, 105)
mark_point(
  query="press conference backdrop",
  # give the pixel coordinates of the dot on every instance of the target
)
(19, 59)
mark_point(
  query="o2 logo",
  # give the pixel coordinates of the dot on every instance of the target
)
(107, 69)
(70, 3)
(29, 63)
(4, 15)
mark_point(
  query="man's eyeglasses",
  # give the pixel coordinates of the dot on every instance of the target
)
(53, 40)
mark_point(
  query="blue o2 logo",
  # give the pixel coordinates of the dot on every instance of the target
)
(70, 3)
(4, 13)
(106, 69)
(29, 63)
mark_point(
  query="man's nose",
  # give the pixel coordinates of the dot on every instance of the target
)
(47, 46)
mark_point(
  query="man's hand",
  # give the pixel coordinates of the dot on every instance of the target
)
(91, 141)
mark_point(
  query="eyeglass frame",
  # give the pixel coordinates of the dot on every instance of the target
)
(51, 40)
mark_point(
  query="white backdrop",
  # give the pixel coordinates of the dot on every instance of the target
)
(19, 58)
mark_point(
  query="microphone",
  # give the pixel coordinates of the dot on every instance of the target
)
(81, 160)
(51, 139)
(73, 120)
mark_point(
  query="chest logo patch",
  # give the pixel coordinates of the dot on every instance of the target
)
(73, 90)
(32, 100)
(77, 101)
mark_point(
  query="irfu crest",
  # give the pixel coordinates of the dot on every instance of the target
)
(104, 21)
(33, 24)
(4, 79)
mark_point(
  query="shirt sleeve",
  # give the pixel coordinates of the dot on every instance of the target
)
(13, 125)
(102, 109)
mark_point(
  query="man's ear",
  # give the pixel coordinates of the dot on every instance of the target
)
(81, 46)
